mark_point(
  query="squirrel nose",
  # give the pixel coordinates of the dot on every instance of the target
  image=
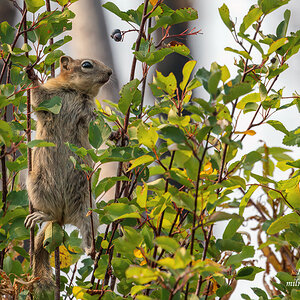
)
(109, 72)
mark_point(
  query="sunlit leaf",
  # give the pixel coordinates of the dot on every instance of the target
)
(283, 222)
(224, 13)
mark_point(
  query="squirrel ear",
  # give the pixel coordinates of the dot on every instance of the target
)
(64, 62)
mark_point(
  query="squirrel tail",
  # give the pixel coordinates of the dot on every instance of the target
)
(41, 267)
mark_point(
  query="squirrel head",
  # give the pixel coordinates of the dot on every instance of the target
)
(84, 75)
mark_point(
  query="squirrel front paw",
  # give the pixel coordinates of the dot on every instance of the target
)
(35, 217)
(31, 74)
(119, 139)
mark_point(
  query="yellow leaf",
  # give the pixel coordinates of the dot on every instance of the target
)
(153, 2)
(214, 286)
(78, 292)
(138, 253)
(208, 169)
(65, 257)
(104, 244)
(249, 132)
(144, 262)
(293, 196)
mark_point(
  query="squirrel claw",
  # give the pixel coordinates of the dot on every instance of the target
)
(120, 140)
(35, 217)
(31, 74)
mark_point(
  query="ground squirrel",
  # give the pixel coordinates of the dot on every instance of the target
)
(56, 189)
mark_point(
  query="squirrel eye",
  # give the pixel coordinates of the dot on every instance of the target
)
(87, 65)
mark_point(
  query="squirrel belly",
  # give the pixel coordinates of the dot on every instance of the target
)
(58, 191)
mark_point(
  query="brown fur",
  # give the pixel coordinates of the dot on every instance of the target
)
(56, 189)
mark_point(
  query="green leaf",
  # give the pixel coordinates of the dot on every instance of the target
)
(225, 73)
(107, 183)
(246, 297)
(252, 42)
(224, 13)
(156, 56)
(147, 136)
(229, 244)
(116, 211)
(268, 6)
(283, 222)
(282, 27)
(260, 293)
(99, 132)
(193, 84)
(236, 91)
(102, 266)
(183, 200)
(170, 17)
(54, 236)
(166, 83)
(6, 133)
(53, 56)
(173, 133)
(253, 15)
(120, 265)
(262, 179)
(136, 288)
(128, 93)
(115, 10)
(213, 81)
(19, 164)
(263, 91)
(95, 136)
(43, 32)
(242, 53)
(248, 273)
(131, 15)
(145, 159)
(251, 158)
(232, 227)
(167, 243)
(246, 198)
(276, 45)
(202, 133)
(186, 73)
(17, 230)
(141, 275)
(82, 152)
(278, 126)
(40, 143)
(223, 290)
(17, 199)
(292, 138)
(34, 5)
(7, 33)
(247, 252)
(57, 44)
(53, 105)
(221, 216)
(295, 164)
(253, 97)
(142, 193)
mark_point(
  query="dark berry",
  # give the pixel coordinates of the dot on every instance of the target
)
(117, 35)
(273, 60)
(116, 31)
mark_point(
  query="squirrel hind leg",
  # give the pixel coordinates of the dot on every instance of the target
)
(37, 216)
(42, 268)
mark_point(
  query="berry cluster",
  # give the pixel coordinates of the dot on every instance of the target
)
(116, 35)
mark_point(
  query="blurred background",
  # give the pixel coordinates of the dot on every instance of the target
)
(91, 39)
